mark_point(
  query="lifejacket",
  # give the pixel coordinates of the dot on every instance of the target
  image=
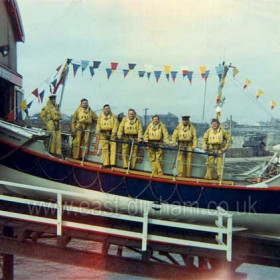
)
(185, 133)
(131, 126)
(155, 132)
(84, 115)
(215, 137)
(53, 112)
(106, 122)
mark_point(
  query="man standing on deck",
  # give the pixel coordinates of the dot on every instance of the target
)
(154, 135)
(107, 127)
(51, 116)
(216, 141)
(130, 130)
(81, 128)
(185, 134)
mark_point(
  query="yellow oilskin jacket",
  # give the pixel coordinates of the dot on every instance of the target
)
(83, 116)
(50, 114)
(185, 134)
(130, 127)
(156, 132)
(216, 137)
(107, 123)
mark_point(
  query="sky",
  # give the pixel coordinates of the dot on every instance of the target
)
(180, 33)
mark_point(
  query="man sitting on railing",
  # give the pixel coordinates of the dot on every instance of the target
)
(107, 127)
(130, 131)
(154, 135)
(185, 133)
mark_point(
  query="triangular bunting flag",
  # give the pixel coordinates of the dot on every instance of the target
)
(85, 64)
(58, 68)
(272, 104)
(173, 75)
(109, 72)
(131, 66)
(42, 93)
(114, 66)
(190, 73)
(96, 64)
(247, 83)
(125, 72)
(207, 72)
(149, 69)
(202, 70)
(75, 68)
(141, 74)
(157, 75)
(91, 70)
(235, 71)
(259, 93)
(35, 92)
(185, 73)
(167, 69)
(54, 82)
(23, 105)
(220, 71)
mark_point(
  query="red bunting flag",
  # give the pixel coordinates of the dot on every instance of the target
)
(114, 66)
(272, 104)
(35, 92)
(58, 68)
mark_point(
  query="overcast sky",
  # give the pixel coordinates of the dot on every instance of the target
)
(156, 32)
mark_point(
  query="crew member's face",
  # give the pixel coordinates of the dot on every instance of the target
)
(107, 110)
(52, 101)
(155, 120)
(131, 115)
(84, 104)
(185, 122)
(215, 125)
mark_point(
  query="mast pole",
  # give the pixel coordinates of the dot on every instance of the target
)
(205, 87)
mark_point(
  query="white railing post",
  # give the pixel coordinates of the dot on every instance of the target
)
(59, 214)
(229, 238)
(145, 230)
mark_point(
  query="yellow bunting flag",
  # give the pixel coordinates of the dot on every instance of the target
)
(235, 71)
(167, 69)
(247, 83)
(23, 105)
(272, 104)
(259, 93)
(202, 70)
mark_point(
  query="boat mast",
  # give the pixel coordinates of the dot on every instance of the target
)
(62, 80)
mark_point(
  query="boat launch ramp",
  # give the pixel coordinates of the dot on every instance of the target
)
(125, 243)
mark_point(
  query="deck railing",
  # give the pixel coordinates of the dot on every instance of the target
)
(222, 227)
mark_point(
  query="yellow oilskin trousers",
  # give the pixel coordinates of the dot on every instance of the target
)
(156, 159)
(126, 151)
(55, 142)
(185, 160)
(109, 148)
(81, 140)
(210, 165)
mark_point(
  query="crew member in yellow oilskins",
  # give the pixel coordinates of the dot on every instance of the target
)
(130, 129)
(216, 141)
(107, 127)
(154, 135)
(51, 116)
(185, 134)
(81, 128)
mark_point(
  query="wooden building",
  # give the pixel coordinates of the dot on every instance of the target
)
(11, 32)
